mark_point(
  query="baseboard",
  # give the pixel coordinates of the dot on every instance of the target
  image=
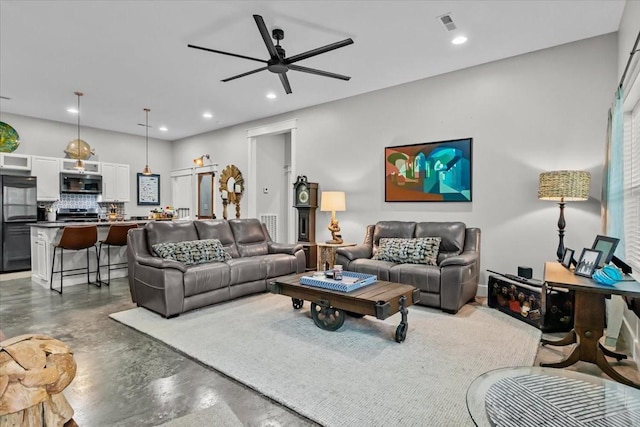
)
(627, 333)
(483, 290)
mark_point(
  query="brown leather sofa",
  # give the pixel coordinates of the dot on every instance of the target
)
(448, 285)
(170, 287)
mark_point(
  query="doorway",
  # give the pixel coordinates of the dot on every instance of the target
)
(279, 141)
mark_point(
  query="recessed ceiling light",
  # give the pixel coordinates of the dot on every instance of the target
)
(72, 110)
(163, 129)
(271, 95)
(459, 40)
(207, 115)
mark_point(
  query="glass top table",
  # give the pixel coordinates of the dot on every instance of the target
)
(534, 396)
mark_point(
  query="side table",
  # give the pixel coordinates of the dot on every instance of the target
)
(528, 396)
(327, 254)
(588, 320)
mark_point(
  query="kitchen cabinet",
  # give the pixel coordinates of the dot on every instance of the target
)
(15, 161)
(115, 182)
(47, 169)
(68, 165)
(39, 255)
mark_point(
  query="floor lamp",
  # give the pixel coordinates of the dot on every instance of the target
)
(563, 186)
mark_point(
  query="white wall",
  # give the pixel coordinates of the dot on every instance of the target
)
(48, 138)
(227, 147)
(541, 111)
(270, 175)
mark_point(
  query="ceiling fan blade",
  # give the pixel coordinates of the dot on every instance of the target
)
(266, 36)
(244, 74)
(226, 53)
(318, 72)
(285, 82)
(318, 51)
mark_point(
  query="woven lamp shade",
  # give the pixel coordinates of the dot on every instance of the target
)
(565, 186)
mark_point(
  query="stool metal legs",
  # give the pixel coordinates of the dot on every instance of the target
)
(109, 266)
(62, 270)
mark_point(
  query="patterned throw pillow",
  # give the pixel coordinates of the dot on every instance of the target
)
(423, 250)
(193, 251)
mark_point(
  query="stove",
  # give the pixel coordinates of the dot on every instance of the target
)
(77, 215)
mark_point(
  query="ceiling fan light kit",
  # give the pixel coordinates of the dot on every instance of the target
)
(278, 63)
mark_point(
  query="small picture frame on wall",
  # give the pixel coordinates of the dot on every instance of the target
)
(148, 189)
(567, 257)
(607, 245)
(588, 262)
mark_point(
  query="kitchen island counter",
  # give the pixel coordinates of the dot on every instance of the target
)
(44, 234)
(59, 224)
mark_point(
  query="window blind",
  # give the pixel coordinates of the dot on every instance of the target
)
(632, 188)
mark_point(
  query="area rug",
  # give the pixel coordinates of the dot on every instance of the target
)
(357, 375)
(219, 415)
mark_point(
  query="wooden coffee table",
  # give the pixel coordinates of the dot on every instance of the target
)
(328, 307)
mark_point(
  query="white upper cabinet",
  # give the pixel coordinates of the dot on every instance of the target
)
(47, 170)
(68, 166)
(15, 161)
(115, 182)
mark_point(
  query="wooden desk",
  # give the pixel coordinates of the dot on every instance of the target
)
(589, 318)
(327, 253)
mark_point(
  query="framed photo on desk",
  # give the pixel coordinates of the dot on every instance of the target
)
(588, 262)
(607, 245)
(567, 258)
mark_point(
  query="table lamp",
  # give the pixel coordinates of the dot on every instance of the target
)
(563, 186)
(333, 201)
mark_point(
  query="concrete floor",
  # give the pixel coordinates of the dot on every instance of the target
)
(125, 378)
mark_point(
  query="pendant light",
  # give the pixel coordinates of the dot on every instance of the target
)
(79, 166)
(147, 169)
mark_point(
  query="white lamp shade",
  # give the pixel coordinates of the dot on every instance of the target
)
(333, 201)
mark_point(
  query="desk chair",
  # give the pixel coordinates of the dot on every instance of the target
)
(117, 236)
(74, 238)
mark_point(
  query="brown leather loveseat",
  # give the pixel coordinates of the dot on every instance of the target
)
(170, 287)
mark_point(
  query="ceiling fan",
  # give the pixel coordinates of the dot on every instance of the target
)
(278, 63)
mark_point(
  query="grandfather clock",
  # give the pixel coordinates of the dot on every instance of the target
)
(306, 202)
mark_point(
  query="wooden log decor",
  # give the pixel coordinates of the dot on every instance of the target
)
(34, 369)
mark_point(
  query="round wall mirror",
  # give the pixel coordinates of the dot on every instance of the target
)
(231, 188)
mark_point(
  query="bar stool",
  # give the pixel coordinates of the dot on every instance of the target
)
(74, 238)
(117, 236)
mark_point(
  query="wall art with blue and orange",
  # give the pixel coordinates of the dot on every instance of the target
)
(429, 172)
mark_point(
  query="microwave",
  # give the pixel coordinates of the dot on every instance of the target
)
(80, 183)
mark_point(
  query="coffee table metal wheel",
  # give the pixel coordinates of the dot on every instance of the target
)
(297, 303)
(327, 317)
(401, 332)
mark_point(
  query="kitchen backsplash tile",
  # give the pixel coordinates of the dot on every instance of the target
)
(83, 201)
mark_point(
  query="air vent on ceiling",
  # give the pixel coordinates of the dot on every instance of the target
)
(447, 21)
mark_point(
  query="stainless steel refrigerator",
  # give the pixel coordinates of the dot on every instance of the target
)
(18, 209)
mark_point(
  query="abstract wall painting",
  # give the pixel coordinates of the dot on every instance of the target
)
(429, 172)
